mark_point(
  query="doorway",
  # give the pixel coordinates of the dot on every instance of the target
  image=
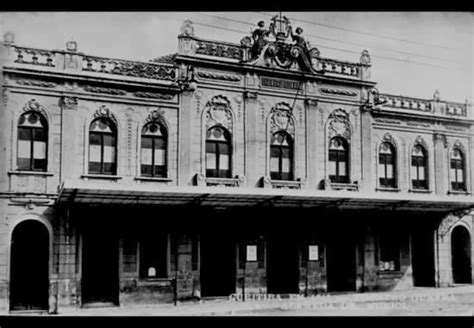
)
(100, 275)
(29, 267)
(461, 255)
(423, 257)
(341, 263)
(282, 264)
(218, 265)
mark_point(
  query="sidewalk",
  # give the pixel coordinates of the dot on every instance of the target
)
(400, 301)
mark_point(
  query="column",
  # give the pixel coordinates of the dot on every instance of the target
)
(70, 133)
(441, 171)
(313, 154)
(184, 139)
(367, 182)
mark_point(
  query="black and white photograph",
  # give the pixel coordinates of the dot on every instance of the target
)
(236, 163)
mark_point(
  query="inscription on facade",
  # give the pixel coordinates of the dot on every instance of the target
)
(282, 84)
(387, 121)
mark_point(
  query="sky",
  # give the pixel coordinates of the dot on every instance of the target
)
(413, 53)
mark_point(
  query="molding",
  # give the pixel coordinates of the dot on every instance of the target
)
(37, 173)
(105, 90)
(36, 83)
(218, 76)
(101, 176)
(339, 92)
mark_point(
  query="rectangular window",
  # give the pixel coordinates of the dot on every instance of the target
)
(129, 253)
(389, 247)
(154, 255)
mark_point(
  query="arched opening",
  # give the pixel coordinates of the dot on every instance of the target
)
(29, 267)
(461, 255)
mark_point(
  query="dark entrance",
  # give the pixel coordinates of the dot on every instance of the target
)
(423, 259)
(218, 264)
(29, 267)
(461, 255)
(282, 264)
(341, 262)
(100, 276)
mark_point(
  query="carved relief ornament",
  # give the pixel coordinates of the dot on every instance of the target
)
(339, 124)
(35, 106)
(281, 119)
(219, 112)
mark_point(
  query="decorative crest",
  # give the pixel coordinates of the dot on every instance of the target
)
(71, 46)
(280, 27)
(365, 57)
(187, 28)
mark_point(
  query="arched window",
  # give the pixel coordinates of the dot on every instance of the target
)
(218, 153)
(419, 167)
(102, 147)
(154, 150)
(281, 156)
(338, 160)
(457, 174)
(32, 142)
(387, 165)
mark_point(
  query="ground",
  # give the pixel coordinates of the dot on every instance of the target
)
(452, 301)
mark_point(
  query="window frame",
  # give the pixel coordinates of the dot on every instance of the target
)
(462, 160)
(394, 158)
(113, 126)
(45, 130)
(345, 145)
(278, 175)
(414, 175)
(216, 145)
(165, 138)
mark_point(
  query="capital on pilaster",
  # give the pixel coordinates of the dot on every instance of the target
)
(251, 95)
(69, 102)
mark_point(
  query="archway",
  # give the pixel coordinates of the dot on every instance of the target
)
(29, 267)
(461, 255)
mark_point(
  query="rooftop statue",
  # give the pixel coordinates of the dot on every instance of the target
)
(279, 46)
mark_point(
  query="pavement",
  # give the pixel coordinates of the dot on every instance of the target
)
(452, 301)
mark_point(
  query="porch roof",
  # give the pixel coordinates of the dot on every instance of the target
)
(221, 197)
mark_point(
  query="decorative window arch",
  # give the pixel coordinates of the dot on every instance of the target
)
(338, 137)
(419, 166)
(32, 151)
(103, 143)
(457, 168)
(338, 157)
(217, 143)
(282, 136)
(218, 153)
(387, 163)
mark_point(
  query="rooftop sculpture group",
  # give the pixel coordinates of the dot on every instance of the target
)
(280, 46)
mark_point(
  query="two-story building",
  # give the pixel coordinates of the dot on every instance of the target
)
(225, 168)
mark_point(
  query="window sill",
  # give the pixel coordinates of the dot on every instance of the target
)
(282, 184)
(38, 173)
(101, 176)
(458, 192)
(153, 179)
(420, 191)
(388, 189)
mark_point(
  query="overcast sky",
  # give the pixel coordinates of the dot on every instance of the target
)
(413, 53)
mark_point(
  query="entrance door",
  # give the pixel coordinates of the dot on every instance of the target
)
(461, 255)
(341, 263)
(282, 264)
(423, 259)
(29, 267)
(100, 283)
(218, 265)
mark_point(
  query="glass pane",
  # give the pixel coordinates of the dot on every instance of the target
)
(421, 173)
(146, 170)
(460, 176)
(381, 171)
(223, 148)
(94, 167)
(211, 161)
(147, 142)
(275, 151)
(24, 164)
(274, 164)
(332, 168)
(160, 143)
(211, 147)
(342, 168)
(390, 171)
(146, 156)
(452, 174)
(109, 168)
(160, 171)
(160, 157)
(24, 134)
(95, 139)
(24, 149)
(224, 162)
(39, 164)
(39, 150)
(285, 163)
(332, 155)
(94, 153)
(109, 154)
(39, 134)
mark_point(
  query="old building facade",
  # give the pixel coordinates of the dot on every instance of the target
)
(257, 167)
